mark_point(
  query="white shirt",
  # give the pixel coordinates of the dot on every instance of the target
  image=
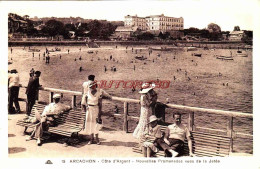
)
(54, 109)
(178, 132)
(13, 79)
(85, 86)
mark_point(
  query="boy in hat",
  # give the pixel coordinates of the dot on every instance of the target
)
(32, 92)
(48, 118)
(154, 134)
(13, 91)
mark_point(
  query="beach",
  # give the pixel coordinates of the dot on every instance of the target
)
(205, 81)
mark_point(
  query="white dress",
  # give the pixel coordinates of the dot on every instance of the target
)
(93, 109)
(142, 127)
(91, 126)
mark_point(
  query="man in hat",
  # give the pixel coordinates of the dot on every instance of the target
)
(85, 86)
(32, 92)
(175, 135)
(13, 91)
(48, 118)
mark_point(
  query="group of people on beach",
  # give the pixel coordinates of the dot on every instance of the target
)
(171, 141)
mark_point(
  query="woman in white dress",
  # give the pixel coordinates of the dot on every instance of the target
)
(93, 114)
(146, 111)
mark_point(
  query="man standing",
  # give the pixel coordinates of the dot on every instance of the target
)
(48, 118)
(32, 92)
(85, 86)
(13, 91)
(175, 135)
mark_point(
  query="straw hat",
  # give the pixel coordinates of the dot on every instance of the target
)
(57, 96)
(152, 119)
(146, 87)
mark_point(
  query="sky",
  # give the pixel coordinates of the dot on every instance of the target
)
(196, 13)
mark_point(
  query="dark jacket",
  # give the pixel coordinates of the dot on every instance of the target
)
(33, 86)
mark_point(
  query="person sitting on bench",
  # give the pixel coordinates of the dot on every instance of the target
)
(48, 118)
(156, 134)
(175, 134)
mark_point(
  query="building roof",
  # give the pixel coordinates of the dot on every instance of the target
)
(126, 28)
(236, 32)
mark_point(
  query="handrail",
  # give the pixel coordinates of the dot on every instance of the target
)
(170, 105)
(230, 114)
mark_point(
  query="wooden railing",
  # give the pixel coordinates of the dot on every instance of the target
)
(192, 110)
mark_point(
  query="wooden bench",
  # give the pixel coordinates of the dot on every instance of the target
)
(203, 145)
(69, 123)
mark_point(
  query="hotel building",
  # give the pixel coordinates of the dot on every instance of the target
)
(155, 23)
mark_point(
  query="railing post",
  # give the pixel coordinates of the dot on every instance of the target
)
(73, 101)
(191, 121)
(230, 132)
(125, 127)
(51, 97)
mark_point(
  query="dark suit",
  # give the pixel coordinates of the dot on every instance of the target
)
(32, 92)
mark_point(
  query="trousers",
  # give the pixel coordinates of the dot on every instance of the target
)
(13, 98)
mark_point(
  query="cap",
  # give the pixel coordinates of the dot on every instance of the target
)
(57, 96)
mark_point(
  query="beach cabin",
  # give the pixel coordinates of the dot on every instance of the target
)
(124, 32)
(236, 35)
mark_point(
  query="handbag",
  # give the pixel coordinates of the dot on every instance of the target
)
(99, 124)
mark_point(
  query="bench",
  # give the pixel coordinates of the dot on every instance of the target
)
(69, 123)
(203, 145)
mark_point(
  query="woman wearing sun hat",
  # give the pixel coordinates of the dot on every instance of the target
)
(93, 120)
(145, 102)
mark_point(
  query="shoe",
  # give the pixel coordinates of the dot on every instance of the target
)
(174, 154)
(28, 138)
(38, 142)
(18, 111)
(98, 142)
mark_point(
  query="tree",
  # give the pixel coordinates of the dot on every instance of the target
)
(212, 27)
(53, 28)
(236, 28)
(145, 36)
(214, 32)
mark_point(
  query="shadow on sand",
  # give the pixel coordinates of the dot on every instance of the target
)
(11, 135)
(13, 150)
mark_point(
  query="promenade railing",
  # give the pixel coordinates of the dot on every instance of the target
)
(191, 113)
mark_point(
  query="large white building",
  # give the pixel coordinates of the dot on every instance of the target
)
(155, 22)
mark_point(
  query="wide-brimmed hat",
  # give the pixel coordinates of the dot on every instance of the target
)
(57, 96)
(152, 119)
(146, 87)
(13, 71)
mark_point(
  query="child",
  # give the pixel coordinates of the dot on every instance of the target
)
(150, 145)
